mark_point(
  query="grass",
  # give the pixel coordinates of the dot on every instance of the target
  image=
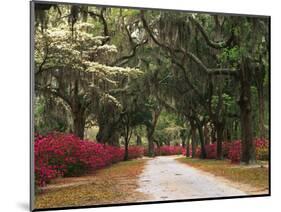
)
(115, 184)
(255, 176)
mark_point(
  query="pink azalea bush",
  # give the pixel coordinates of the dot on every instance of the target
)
(262, 149)
(135, 152)
(261, 146)
(67, 155)
(232, 150)
(166, 150)
(211, 150)
(197, 151)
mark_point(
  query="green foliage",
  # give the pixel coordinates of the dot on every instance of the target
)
(231, 55)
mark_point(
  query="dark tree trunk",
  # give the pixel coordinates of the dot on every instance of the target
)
(228, 135)
(150, 131)
(235, 130)
(78, 113)
(128, 134)
(126, 154)
(259, 75)
(219, 130)
(248, 148)
(206, 134)
(261, 112)
(157, 142)
(193, 139)
(187, 148)
(107, 134)
(201, 139)
(138, 141)
(150, 143)
(213, 135)
(78, 124)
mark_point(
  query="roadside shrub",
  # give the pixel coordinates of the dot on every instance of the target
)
(261, 146)
(166, 150)
(211, 151)
(169, 150)
(197, 151)
(183, 151)
(66, 155)
(135, 152)
(262, 149)
(234, 151)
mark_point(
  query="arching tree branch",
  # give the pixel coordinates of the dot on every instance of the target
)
(102, 19)
(213, 44)
(123, 60)
(172, 51)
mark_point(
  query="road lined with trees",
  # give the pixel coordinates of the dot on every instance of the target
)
(153, 76)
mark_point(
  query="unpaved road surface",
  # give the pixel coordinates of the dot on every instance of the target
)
(164, 178)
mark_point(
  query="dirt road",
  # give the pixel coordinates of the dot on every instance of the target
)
(164, 178)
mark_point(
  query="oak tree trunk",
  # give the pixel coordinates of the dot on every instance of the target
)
(107, 134)
(138, 141)
(126, 154)
(150, 143)
(261, 112)
(248, 148)
(193, 139)
(187, 147)
(219, 130)
(78, 124)
(202, 144)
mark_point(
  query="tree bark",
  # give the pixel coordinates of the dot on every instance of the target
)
(193, 139)
(78, 124)
(126, 154)
(107, 134)
(219, 130)
(261, 112)
(202, 143)
(248, 148)
(150, 131)
(187, 147)
(150, 143)
(206, 134)
(138, 141)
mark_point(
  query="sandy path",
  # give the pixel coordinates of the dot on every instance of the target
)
(167, 179)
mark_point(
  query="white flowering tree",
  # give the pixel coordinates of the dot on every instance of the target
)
(71, 64)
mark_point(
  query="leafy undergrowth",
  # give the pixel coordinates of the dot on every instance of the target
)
(255, 176)
(115, 184)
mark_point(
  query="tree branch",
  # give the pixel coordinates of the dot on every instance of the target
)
(40, 68)
(216, 45)
(123, 60)
(57, 93)
(102, 19)
(224, 71)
